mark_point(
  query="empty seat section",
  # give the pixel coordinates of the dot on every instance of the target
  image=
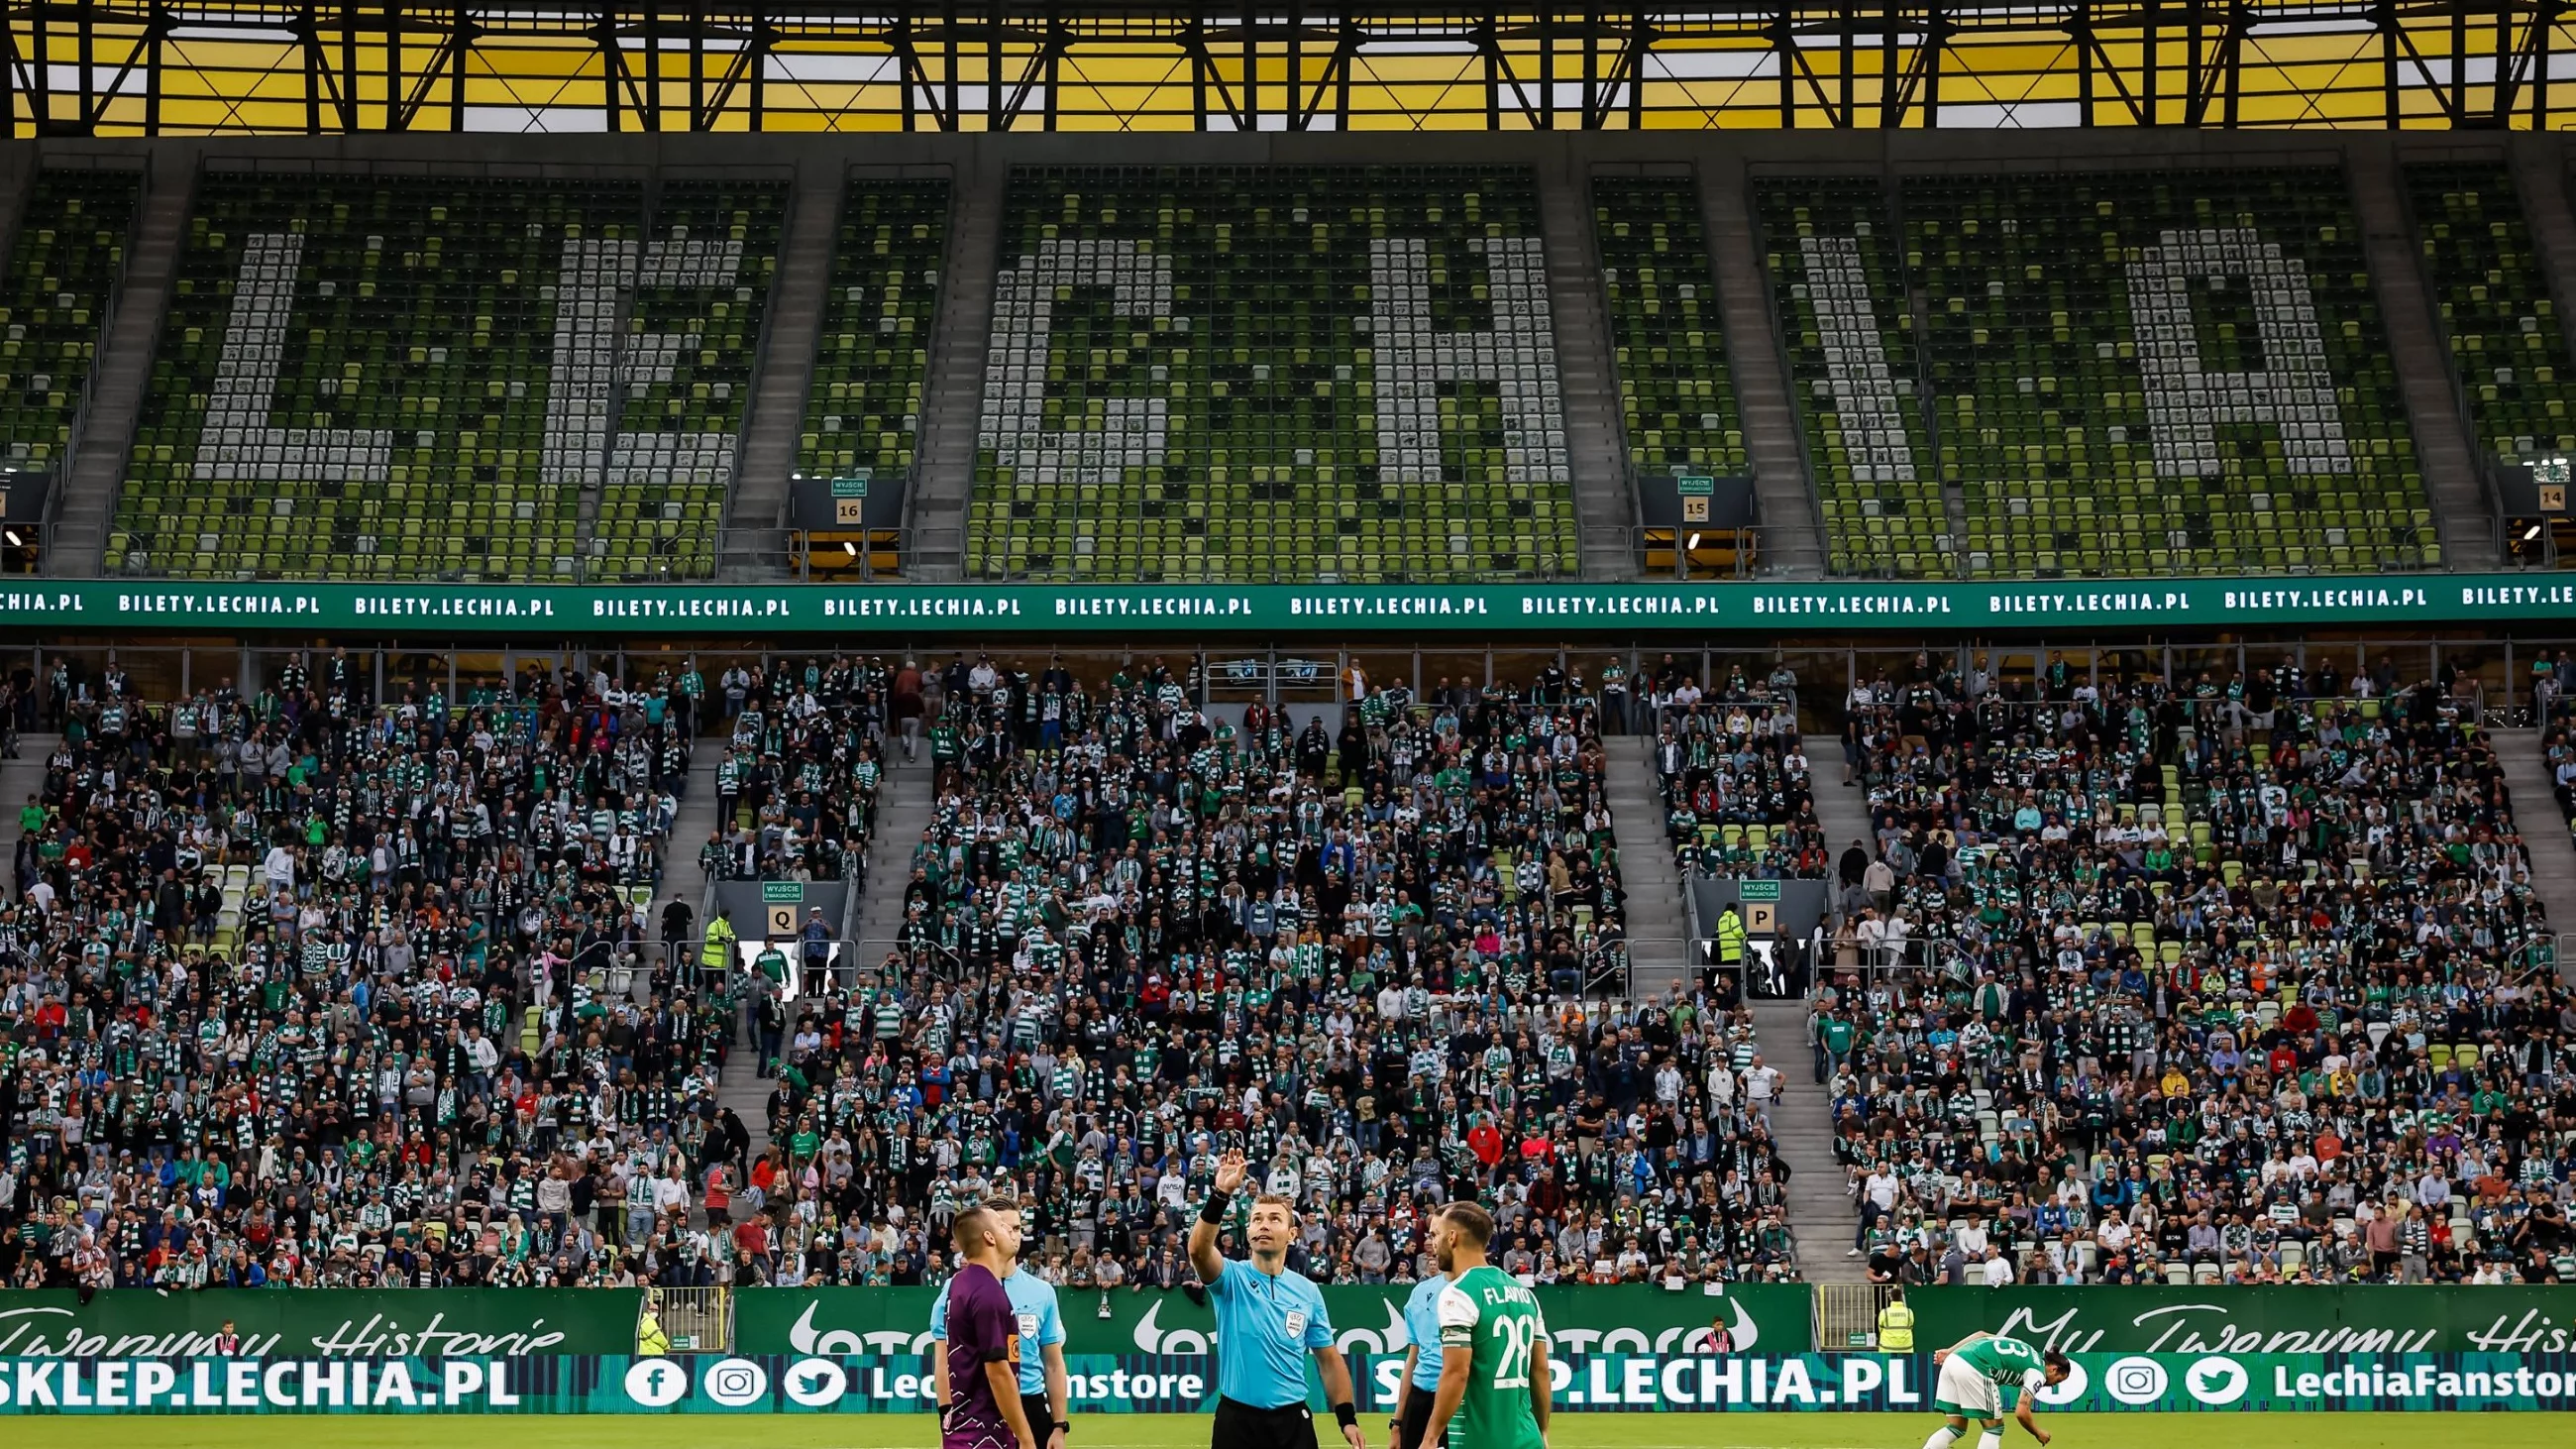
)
(1849, 335)
(2160, 372)
(368, 376)
(1223, 373)
(879, 311)
(64, 264)
(2508, 342)
(691, 340)
(1677, 403)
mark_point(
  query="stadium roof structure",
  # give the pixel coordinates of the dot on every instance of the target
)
(143, 67)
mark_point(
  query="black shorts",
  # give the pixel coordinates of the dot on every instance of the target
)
(1241, 1426)
(1041, 1418)
(1416, 1418)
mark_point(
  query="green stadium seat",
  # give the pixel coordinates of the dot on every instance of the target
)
(1676, 400)
(375, 376)
(2507, 342)
(69, 250)
(2119, 373)
(1849, 336)
(1192, 377)
(879, 311)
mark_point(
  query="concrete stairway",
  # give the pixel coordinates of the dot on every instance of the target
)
(906, 797)
(681, 874)
(1595, 436)
(17, 185)
(777, 415)
(1820, 1213)
(1790, 543)
(2544, 831)
(125, 366)
(746, 1092)
(2539, 174)
(19, 778)
(1658, 925)
(944, 478)
(1842, 809)
(2423, 363)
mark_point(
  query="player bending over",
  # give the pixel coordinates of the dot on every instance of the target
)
(1975, 1374)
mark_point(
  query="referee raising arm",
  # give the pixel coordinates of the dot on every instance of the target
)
(1267, 1320)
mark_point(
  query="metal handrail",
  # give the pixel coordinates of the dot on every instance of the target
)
(2543, 954)
(497, 170)
(1598, 288)
(1269, 570)
(1630, 541)
(1813, 479)
(98, 359)
(2480, 463)
(23, 547)
(761, 361)
(934, 356)
(1925, 409)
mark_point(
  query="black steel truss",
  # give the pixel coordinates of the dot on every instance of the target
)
(87, 67)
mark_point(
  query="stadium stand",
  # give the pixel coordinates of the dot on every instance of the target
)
(289, 433)
(2107, 373)
(462, 447)
(684, 373)
(1733, 773)
(221, 888)
(2508, 343)
(2222, 982)
(68, 251)
(1678, 403)
(1136, 935)
(1852, 374)
(2209, 976)
(1291, 372)
(796, 788)
(881, 307)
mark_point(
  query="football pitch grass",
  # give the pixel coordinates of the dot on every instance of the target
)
(1179, 1431)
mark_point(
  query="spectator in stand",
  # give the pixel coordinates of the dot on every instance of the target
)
(2226, 982)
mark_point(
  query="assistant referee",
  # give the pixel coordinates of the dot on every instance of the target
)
(1267, 1319)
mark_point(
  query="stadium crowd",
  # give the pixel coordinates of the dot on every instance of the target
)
(308, 988)
(1137, 936)
(2237, 981)
(2223, 980)
(1732, 767)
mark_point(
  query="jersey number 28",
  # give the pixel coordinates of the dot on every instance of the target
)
(1517, 1335)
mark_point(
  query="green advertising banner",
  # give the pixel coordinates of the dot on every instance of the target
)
(900, 610)
(1653, 1383)
(1366, 1319)
(2164, 1318)
(338, 1323)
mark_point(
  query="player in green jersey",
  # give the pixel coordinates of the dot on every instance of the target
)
(1493, 1343)
(1978, 1373)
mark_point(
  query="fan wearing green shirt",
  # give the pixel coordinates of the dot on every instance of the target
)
(1977, 1374)
(1493, 1343)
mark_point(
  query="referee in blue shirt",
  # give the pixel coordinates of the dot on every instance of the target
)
(1267, 1320)
(1045, 1390)
(1422, 1364)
